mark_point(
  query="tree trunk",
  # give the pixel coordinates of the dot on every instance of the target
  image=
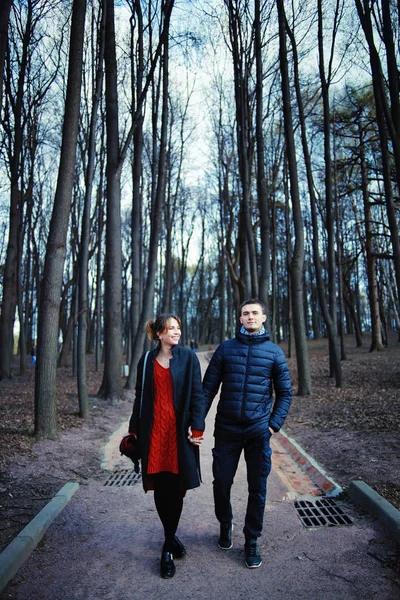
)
(5, 7)
(136, 293)
(241, 71)
(168, 271)
(297, 261)
(10, 274)
(273, 305)
(334, 356)
(350, 300)
(385, 125)
(376, 326)
(111, 387)
(289, 310)
(45, 381)
(156, 217)
(329, 322)
(261, 180)
(99, 271)
(83, 309)
(64, 353)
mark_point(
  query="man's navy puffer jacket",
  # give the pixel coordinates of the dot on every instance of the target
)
(250, 368)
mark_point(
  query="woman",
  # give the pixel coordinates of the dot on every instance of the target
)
(168, 420)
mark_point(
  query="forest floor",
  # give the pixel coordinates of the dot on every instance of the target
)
(353, 432)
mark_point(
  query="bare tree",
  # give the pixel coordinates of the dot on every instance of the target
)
(371, 255)
(242, 58)
(157, 208)
(297, 261)
(387, 118)
(330, 323)
(25, 87)
(4, 18)
(111, 387)
(177, 209)
(83, 292)
(325, 79)
(137, 167)
(10, 279)
(45, 381)
(262, 192)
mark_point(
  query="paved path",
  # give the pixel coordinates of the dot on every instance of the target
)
(106, 543)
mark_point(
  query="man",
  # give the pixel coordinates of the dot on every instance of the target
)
(248, 366)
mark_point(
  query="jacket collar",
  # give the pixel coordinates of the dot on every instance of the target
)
(261, 331)
(175, 351)
(247, 338)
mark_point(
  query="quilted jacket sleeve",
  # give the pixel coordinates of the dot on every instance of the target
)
(213, 377)
(197, 404)
(283, 391)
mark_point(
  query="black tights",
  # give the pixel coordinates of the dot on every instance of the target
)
(168, 498)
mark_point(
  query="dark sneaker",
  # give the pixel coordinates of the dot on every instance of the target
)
(253, 557)
(225, 536)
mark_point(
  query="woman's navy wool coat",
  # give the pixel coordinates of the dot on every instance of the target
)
(189, 403)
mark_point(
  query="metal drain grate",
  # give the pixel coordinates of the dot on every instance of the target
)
(123, 477)
(321, 512)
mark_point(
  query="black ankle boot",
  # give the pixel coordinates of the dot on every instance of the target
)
(167, 566)
(178, 550)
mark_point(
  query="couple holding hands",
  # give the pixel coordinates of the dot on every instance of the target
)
(168, 422)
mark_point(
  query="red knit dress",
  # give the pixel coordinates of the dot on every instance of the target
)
(163, 450)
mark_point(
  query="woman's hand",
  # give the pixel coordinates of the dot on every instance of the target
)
(195, 440)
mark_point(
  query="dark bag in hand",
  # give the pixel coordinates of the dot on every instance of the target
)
(129, 447)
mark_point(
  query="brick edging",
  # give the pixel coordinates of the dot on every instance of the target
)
(315, 472)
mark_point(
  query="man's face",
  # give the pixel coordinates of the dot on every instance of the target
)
(252, 317)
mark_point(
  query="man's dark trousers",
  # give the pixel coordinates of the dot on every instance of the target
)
(257, 454)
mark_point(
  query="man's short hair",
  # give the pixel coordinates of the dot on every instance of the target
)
(252, 301)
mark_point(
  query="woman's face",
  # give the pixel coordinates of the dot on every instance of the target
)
(171, 334)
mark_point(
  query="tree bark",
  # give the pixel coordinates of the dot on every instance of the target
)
(385, 125)
(45, 381)
(10, 275)
(136, 294)
(83, 288)
(334, 355)
(241, 70)
(99, 272)
(156, 217)
(297, 261)
(376, 326)
(5, 7)
(111, 387)
(261, 179)
(329, 322)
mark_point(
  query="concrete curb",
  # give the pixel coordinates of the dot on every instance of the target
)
(366, 497)
(315, 472)
(17, 552)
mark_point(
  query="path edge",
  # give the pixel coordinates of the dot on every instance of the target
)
(22, 546)
(376, 505)
(317, 474)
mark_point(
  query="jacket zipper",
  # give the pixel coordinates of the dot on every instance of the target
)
(245, 382)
